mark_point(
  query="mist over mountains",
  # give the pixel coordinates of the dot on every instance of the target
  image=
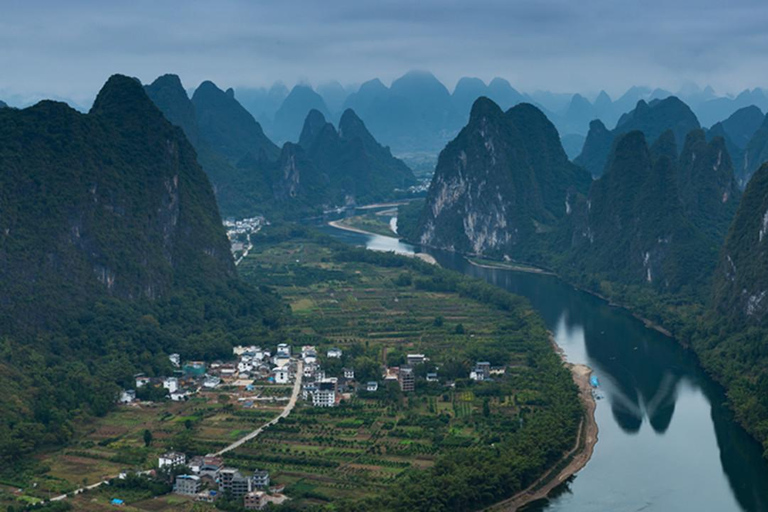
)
(418, 113)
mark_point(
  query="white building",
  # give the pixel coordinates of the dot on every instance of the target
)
(333, 353)
(349, 373)
(284, 349)
(175, 360)
(211, 382)
(282, 360)
(171, 459)
(309, 354)
(372, 386)
(171, 384)
(281, 375)
(325, 396)
(241, 349)
(414, 359)
(179, 396)
(481, 372)
(142, 381)
(127, 396)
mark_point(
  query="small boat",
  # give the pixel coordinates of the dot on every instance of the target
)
(593, 381)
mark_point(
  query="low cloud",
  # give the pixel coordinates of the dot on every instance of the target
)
(68, 49)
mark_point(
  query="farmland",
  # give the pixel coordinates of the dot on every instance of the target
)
(381, 449)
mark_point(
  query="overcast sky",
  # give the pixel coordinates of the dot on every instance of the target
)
(67, 49)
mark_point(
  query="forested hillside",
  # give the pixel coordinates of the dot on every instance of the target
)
(112, 255)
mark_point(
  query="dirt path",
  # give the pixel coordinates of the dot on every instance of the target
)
(286, 411)
(580, 453)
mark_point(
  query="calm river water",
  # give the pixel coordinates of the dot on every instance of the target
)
(666, 442)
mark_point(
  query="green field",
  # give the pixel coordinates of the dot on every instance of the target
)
(378, 308)
(451, 445)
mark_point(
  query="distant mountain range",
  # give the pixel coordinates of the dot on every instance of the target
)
(652, 119)
(251, 174)
(417, 113)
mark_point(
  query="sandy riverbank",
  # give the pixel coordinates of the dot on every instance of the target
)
(422, 256)
(513, 267)
(577, 457)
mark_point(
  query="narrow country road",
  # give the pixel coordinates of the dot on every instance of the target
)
(286, 411)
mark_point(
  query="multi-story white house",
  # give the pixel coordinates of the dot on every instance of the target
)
(171, 459)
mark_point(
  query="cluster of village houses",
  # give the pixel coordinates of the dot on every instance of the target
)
(254, 364)
(237, 228)
(208, 480)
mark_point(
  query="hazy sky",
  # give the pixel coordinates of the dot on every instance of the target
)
(57, 48)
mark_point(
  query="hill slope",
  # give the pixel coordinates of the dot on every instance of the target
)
(112, 255)
(504, 178)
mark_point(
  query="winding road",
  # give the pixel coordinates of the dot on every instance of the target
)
(286, 411)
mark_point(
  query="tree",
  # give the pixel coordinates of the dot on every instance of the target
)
(147, 438)
(459, 329)
(438, 321)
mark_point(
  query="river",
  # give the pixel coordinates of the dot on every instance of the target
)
(666, 440)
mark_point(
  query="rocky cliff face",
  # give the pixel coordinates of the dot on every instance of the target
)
(503, 180)
(108, 203)
(741, 282)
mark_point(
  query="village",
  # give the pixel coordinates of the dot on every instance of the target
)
(248, 379)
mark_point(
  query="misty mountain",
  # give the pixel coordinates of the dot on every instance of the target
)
(262, 102)
(755, 154)
(228, 127)
(652, 119)
(334, 95)
(127, 210)
(289, 118)
(504, 179)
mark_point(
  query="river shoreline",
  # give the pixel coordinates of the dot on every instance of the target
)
(420, 255)
(578, 456)
(586, 440)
